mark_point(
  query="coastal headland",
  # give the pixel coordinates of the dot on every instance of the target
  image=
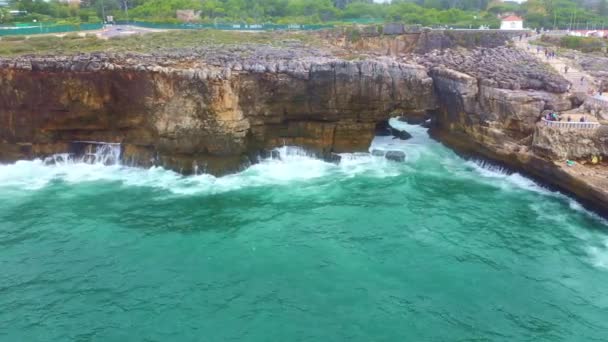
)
(213, 102)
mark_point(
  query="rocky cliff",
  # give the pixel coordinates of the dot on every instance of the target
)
(480, 115)
(216, 109)
(211, 110)
(400, 40)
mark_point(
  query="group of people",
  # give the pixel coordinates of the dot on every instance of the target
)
(593, 92)
(548, 53)
(553, 116)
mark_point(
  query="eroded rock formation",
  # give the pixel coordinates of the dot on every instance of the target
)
(209, 111)
(216, 108)
(495, 121)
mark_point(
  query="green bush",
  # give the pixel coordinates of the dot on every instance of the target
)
(353, 34)
(584, 44)
(72, 36)
(37, 39)
(13, 38)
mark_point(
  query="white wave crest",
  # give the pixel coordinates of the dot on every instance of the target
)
(507, 180)
(292, 165)
(599, 254)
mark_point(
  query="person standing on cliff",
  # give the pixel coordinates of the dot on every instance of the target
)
(582, 80)
(566, 69)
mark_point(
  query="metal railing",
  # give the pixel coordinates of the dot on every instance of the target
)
(597, 101)
(40, 28)
(570, 124)
(223, 26)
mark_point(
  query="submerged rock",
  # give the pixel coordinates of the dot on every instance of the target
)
(378, 153)
(383, 129)
(274, 154)
(332, 158)
(398, 156)
(403, 135)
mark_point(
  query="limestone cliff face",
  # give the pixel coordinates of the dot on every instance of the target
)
(575, 144)
(469, 104)
(399, 40)
(502, 125)
(199, 116)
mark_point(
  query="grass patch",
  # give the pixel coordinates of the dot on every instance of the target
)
(151, 42)
(13, 38)
(584, 44)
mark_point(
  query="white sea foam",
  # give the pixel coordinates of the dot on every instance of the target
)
(293, 165)
(594, 243)
(599, 254)
(501, 177)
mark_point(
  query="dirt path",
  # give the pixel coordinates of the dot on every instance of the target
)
(580, 80)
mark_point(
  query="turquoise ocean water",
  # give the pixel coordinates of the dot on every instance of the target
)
(433, 249)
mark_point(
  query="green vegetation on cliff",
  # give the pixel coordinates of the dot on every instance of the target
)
(461, 13)
(151, 42)
(584, 44)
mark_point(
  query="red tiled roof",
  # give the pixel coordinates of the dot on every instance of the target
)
(512, 18)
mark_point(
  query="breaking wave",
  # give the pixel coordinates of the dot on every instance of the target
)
(289, 165)
(292, 165)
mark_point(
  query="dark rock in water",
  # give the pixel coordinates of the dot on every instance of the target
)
(378, 153)
(403, 135)
(332, 158)
(267, 154)
(383, 129)
(398, 156)
(414, 120)
(274, 154)
(427, 123)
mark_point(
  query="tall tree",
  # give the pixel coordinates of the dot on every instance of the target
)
(341, 4)
(602, 7)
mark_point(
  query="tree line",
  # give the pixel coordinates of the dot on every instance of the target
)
(456, 13)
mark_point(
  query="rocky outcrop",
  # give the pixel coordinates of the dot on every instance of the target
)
(480, 119)
(215, 109)
(502, 67)
(400, 40)
(212, 112)
(431, 40)
(594, 65)
(575, 144)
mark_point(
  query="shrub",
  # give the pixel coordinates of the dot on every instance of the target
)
(70, 36)
(13, 38)
(585, 44)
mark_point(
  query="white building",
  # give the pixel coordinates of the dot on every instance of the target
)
(512, 22)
